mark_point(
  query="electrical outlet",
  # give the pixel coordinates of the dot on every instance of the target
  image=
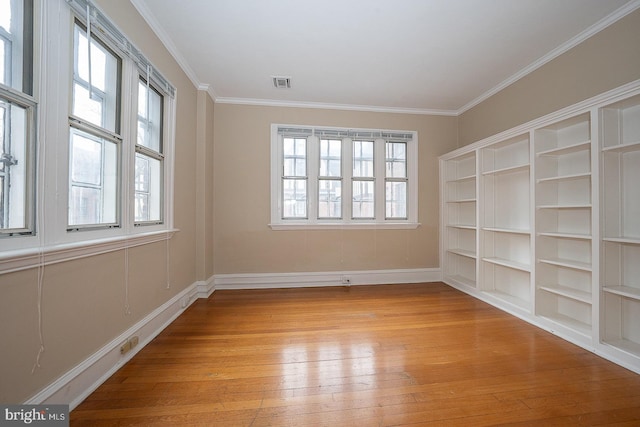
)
(346, 280)
(134, 341)
(124, 348)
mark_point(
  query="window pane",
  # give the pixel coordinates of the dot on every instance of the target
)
(363, 159)
(396, 162)
(149, 117)
(294, 198)
(330, 157)
(396, 200)
(16, 44)
(295, 157)
(329, 198)
(95, 100)
(148, 189)
(87, 108)
(363, 199)
(93, 179)
(13, 166)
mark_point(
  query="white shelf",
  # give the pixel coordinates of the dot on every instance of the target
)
(469, 200)
(463, 178)
(565, 206)
(568, 292)
(462, 226)
(505, 170)
(625, 345)
(463, 252)
(506, 230)
(565, 177)
(622, 148)
(573, 148)
(461, 279)
(568, 263)
(508, 263)
(624, 291)
(561, 235)
(571, 323)
(625, 240)
(511, 299)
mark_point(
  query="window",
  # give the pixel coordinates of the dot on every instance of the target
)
(103, 136)
(149, 157)
(332, 177)
(17, 118)
(95, 139)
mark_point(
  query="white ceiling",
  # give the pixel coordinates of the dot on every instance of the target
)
(423, 56)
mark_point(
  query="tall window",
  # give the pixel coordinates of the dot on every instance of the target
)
(330, 179)
(17, 117)
(324, 177)
(149, 162)
(95, 140)
(294, 177)
(396, 180)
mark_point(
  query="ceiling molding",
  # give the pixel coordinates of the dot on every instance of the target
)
(571, 43)
(327, 106)
(151, 20)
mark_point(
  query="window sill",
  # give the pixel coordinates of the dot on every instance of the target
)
(12, 261)
(346, 226)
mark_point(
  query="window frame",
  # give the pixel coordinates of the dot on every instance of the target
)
(314, 134)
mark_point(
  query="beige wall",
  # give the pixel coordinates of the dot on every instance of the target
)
(244, 243)
(83, 301)
(605, 61)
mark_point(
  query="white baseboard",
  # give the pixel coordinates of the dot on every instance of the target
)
(79, 382)
(335, 278)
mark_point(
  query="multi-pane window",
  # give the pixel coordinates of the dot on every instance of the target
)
(336, 177)
(330, 179)
(17, 117)
(294, 177)
(396, 180)
(363, 182)
(149, 161)
(95, 141)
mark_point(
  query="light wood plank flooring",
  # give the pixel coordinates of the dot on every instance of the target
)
(394, 355)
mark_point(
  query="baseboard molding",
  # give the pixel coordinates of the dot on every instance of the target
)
(334, 278)
(79, 382)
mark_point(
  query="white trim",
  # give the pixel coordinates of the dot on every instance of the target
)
(12, 261)
(79, 382)
(334, 278)
(330, 106)
(350, 225)
(563, 48)
(151, 20)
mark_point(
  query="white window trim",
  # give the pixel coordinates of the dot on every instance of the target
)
(52, 77)
(346, 222)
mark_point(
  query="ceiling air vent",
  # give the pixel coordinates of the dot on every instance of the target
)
(282, 82)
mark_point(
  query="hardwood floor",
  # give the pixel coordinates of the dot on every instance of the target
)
(422, 354)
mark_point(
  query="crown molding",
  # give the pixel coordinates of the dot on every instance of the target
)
(329, 106)
(571, 43)
(151, 20)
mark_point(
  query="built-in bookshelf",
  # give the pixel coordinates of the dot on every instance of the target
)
(620, 283)
(460, 209)
(505, 225)
(543, 221)
(563, 190)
